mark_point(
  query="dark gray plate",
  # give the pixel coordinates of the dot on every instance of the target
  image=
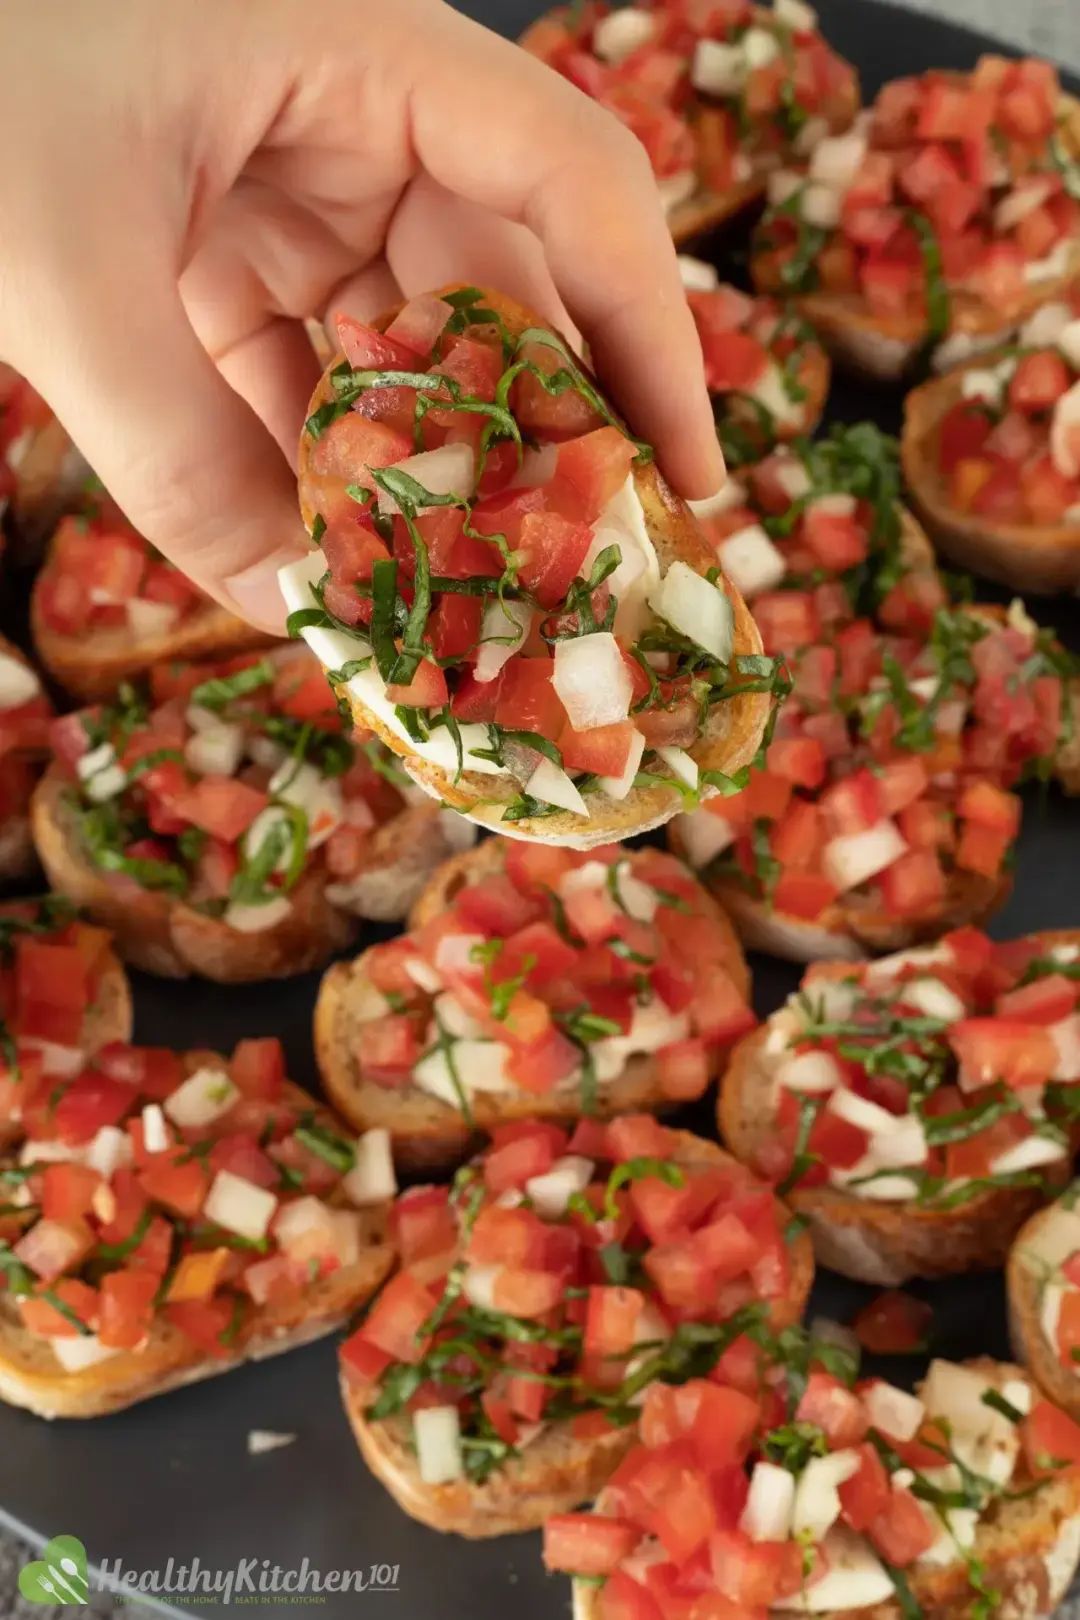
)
(172, 1479)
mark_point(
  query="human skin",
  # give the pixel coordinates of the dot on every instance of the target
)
(181, 184)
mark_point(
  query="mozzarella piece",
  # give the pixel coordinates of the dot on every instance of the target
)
(751, 561)
(817, 1495)
(18, 683)
(240, 1206)
(200, 1099)
(553, 786)
(450, 470)
(252, 919)
(697, 276)
(77, 1354)
(552, 1191)
(215, 750)
(696, 609)
(769, 1504)
(718, 69)
(1030, 1154)
(853, 858)
(592, 681)
(854, 1577)
(371, 1179)
(933, 998)
(896, 1413)
(437, 1432)
(622, 32)
(836, 161)
(809, 1072)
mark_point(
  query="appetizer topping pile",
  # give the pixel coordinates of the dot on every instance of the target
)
(954, 184)
(50, 975)
(761, 358)
(1051, 1252)
(25, 716)
(932, 1075)
(101, 574)
(229, 791)
(553, 974)
(781, 1482)
(891, 763)
(1009, 450)
(23, 413)
(192, 1193)
(486, 580)
(556, 1281)
(717, 91)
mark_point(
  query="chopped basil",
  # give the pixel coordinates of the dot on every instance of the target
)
(326, 1144)
(222, 690)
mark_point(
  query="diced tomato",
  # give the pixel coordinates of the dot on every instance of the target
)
(454, 626)
(206, 1322)
(894, 1324)
(511, 1164)
(257, 1067)
(222, 806)
(1039, 381)
(604, 750)
(962, 434)
(527, 700)
(394, 1321)
(830, 1406)
(623, 1598)
(997, 1049)
(180, 1185)
(1044, 1001)
(1050, 1440)
(865, 1496)
(587, 1543)
(838, 540)
(683, 1070)
(50, 1247)
(787, 620)
(541, 1065)
(803, 894)
(87, 1104)
(854, 804)
(914, 885)
(637, 1136)
(753, 1574)
(901, 1531)
(389, 1049)
(67, 1191)
(799, 760)
(40, 1316)
(422, 1224)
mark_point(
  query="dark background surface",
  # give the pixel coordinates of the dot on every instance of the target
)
(172, 1478)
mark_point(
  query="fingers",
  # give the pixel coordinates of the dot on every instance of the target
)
(436, 238)
(365, 295)
(275, 370)
(185, 456)
(527, 144)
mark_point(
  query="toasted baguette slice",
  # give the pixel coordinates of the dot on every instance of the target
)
(556, 1471)
(876, 1242)
(92, 665)
(1023, 1293)
(885, 347)
(704, 209)
(427, 1133)
(1025, 557)
(49, 479)
(18, 857)
(163, 935)
(31, 1377)
(729, 741)
(1026, 1548)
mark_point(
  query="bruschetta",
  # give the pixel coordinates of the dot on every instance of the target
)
(106, 607)
(959, 1500)
(764, 366)
(540, 633)
(63, 996)
(233, 831)
(497, 1378)
(990, 454)
(25, 717)
(534, 983)
(918, 1108)
(170, 1216)
(939, 223)
(1043, 1287)
(718, 95)
(885, 814)
(41, 472)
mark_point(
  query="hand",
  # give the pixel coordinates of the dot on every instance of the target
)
(181, 184)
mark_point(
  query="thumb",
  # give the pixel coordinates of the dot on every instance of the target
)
(185, 457)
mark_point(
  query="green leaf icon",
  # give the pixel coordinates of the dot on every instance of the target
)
(58, 1576)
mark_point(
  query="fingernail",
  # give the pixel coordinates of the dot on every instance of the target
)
(256, 594)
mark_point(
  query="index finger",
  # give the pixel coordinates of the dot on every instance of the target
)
(562, 165)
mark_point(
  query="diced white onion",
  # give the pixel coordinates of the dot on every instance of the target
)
(552, 1191)
(622, 32)
(717, 69)
(200, 1099)
(812, 1072)
(503, 628)
(76, 1354)
(617, 787)
(697, 275)
(591, 680)
(837, 159)
(450, 470)
(371, 1179)
(250, 919)
(751, 561)
(215, 751)
(769, 1504)
(149, 619)
(696, 609)
(552, 786)
(18, 683)
(437, 1432)
(896, 1413)
(679, 762)
(853, 858)
(239, 1205)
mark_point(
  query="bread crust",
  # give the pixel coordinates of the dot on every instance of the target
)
(427, 1133)
(1027, 1549)
(881, 1243)
(1026, 557)
(884, 347)
(557, 1472)
(735, 727)
(30, 1376)
(1029, 1342)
